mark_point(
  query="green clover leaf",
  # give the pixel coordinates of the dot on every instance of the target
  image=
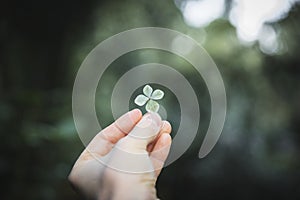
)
(149, 98)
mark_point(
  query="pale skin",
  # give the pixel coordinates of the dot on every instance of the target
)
(96, 180)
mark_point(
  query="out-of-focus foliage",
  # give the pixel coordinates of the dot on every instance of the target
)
(255, 21)
(42, 45)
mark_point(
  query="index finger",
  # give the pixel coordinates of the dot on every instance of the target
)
(104, 141)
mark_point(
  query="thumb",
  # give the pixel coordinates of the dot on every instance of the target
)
(142, 134)
(130, 153)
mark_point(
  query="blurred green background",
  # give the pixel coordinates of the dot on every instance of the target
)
(42, 44)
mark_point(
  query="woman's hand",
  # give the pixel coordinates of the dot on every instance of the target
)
(124, 160)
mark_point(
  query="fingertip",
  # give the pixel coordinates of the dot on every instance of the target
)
(135, 115)
(166, 139)
(136, 112)
(166, 127)
(127, 121)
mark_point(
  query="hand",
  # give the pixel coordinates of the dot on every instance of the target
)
(133, 143)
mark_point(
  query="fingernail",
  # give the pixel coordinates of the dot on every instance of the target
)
(148, 126)
(150, 119)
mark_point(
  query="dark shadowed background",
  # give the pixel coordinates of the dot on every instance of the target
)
(42, 44)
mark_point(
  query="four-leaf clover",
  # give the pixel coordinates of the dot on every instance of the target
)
(149, 97)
